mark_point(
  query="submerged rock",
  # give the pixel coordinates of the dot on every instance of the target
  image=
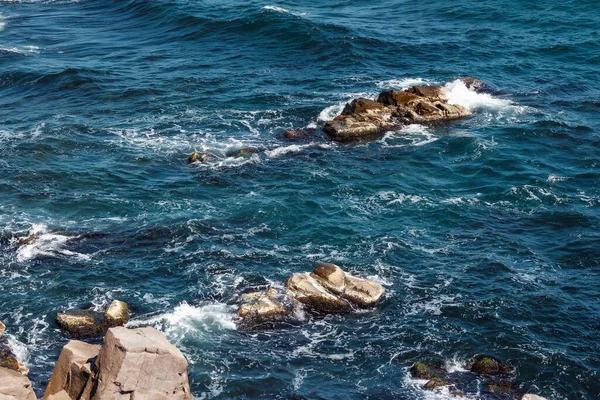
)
(74, 372)
(200, 157)
(141, 364)
(435, 383)
(364, 118)
(295, 134)
(15, 386)
(488, 365)
(245, 152)
(264, 308)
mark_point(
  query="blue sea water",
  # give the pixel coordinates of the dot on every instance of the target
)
(485, 232)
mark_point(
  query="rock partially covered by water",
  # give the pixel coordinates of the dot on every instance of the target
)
(88, 323)
(295, 134)
(329, 289)
(201, 157)
(433, 373)
(473, 83)
(141, 364)
(364, 118)
(15, 386)
(245, 152)
(262, 309)
(530, 396)
(488, 365)
(7, 358)
(81, 323)
(74, 372)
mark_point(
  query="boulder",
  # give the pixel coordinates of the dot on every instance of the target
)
(530, 396)
(421, 370)
(473, 83)
(307, 290)
(74, 371)
(245, 152)
(330, 276)
(15, 386)
(488, 365)
(117, 314)
(362, 292)
(9, 360)
(295, 134)
(141, 364)
(2, 329)
(81, 323)
(199, 157)
(365, 118)
(263, 308)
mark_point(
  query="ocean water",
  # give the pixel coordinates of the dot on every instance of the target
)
(484, 231)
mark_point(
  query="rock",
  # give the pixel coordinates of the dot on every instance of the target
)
(263, 308)
(9, 360)
(74, 371)
(141, 364)
(307, 290)
(199, 157)
(362, 292)
(2, 329)
(330, 276)
(364, 118)
(15, 386)
(488, 365)
(435, 383)
(421, 370)
(246, 152)
(117, 314)
(62, 395)
(530, 396)
(295, 134)
(81, 323)
(25, 240)
(503, 387)
(473, 83)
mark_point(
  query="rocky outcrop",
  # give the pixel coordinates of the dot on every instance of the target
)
(7, 358)
(74, 371)
(88, 323)
(200, 157)
(264, 308)
(326, 290)
(15, 386)
(488, 365)
(364, 118)
(141, 364)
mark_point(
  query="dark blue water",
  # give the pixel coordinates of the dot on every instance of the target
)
(485, 232)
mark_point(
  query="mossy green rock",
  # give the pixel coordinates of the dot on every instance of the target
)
(488, 365)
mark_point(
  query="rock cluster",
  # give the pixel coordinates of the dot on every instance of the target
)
(131, 364)
(363, 118)
(326, 290)
(88, 323)
(497, 377)
(14, 384)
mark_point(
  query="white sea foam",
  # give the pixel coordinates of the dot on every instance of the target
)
(330, 112)
(2, 23)
(283, 10)
(47, 243)
(555, 178)
(188, 320)
(458, 93)
(403, 84)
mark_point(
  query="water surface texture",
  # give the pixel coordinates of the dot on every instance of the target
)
(485, 231)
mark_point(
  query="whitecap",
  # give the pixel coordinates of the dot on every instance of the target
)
(403, 84)
(458, 93)
(46, 243)
(283, 10)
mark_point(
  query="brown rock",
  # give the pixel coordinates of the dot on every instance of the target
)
(81, 323)
(530, 396)
(295, 134)
(396, 98)
(62, 395)
(330, 276)
(140, 364)
(117, 314)
(473, 83)
(431, 93)
(9, 360)
(2, 329)
(73, 373)
(435, 383)
(199, 157)
(246, 152)
(25, 240)
(307, 290)
(15, 386)
(362, 292)
(262, 308)
(346, 128)
(362, 105)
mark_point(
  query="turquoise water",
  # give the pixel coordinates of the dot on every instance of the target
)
(484, 231)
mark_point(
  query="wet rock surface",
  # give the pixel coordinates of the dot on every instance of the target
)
(89, 323)
(364, 118)
(200, 157)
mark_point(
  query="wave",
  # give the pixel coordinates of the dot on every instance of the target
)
(458, 93)
(283, 10)
(45, 243)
